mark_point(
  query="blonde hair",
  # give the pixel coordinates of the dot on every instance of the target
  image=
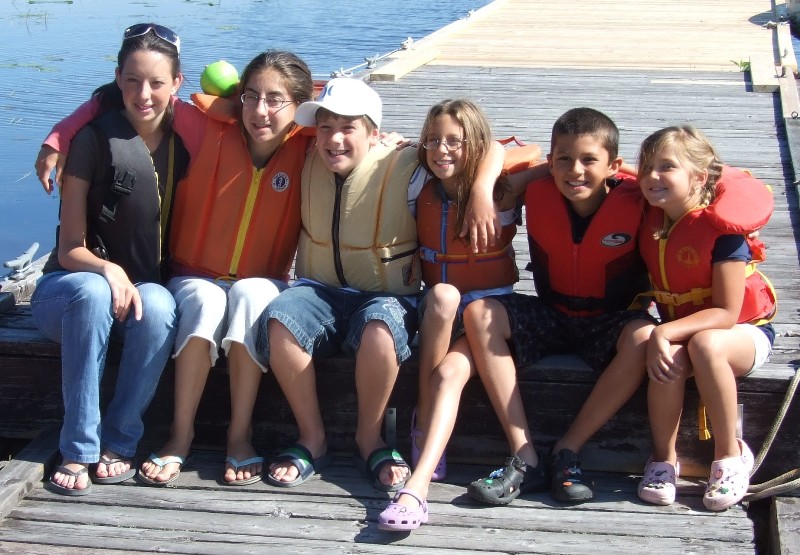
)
(693, 149)
(477, 141)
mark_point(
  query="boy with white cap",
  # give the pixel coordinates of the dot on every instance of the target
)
(358, 276)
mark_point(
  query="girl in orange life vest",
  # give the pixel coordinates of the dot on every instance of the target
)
(235, 226)
(454, 139)
(717, 337)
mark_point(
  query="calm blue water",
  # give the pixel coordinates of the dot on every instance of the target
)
(54, 53)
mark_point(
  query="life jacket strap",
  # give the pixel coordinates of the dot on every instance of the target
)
(695, 296)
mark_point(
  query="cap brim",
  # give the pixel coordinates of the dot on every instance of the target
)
(306, 114)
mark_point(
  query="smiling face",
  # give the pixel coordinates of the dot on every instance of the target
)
(580, 165)
(146, 81)
(343, 141)
(444, 163)
(670, 184)
(267, 127)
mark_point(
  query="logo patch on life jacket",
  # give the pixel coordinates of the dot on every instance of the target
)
(615, 239)
(688, 257)
(280, 182)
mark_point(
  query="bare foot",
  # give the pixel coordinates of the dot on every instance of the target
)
(241, 451)
(163, 473)
(389, 474)
(68, 481)
(110, 465)
(285, 471)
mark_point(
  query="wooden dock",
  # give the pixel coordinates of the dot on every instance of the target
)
(646, 64)
(336, 512)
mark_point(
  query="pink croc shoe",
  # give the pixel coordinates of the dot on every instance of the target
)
(729, 480)
(658, 483)
(441, 467)
(399, 518)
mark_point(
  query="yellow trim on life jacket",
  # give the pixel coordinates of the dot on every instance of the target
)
(167, 202)
(766, 319)
(244, 223)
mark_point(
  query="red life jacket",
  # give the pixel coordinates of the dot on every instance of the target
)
(230, 219)
(447, 258)
(680, 266)
(601, 273)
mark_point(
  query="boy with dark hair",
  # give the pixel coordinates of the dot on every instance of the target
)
(582, 224)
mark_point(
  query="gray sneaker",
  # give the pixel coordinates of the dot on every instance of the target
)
(567, 482)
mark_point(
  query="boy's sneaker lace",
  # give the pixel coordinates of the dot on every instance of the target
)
(567, 482)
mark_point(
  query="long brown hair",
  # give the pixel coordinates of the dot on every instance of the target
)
(110, 95)
(477, 140)
(295, 73)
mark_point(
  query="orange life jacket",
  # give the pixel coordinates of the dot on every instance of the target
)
(601, 273)
(680, 265)
(230, 219)
(447, 258)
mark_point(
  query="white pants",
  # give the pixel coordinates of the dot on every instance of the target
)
(222, 312)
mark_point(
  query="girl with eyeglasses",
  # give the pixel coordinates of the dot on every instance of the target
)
(233, 234)
(101, 281)
(455, 138)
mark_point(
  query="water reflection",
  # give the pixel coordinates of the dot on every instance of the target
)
(56, 52)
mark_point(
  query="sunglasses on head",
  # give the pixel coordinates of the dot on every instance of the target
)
(164, 33)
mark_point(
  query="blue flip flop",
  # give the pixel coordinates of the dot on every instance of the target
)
(302, 459)
(239, 464)
(161, 462)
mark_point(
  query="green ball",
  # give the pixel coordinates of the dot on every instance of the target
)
(219, 79)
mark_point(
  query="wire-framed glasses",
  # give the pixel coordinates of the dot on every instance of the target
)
(270, 102)
(451, 143)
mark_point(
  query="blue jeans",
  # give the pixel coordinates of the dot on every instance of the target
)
(74, 309)
(325, 319)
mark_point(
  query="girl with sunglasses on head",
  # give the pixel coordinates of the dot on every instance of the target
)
(233, 235)
(101, 281)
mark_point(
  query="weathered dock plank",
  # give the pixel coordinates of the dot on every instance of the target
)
(337, 511)
(786, 526)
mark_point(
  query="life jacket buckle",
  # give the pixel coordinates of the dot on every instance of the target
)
(427, 254)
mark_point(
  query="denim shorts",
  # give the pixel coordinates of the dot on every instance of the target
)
(538, 330)
(326, 320)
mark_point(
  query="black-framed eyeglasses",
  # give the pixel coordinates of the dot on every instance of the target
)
(164, 33)
(451, 144)
(270, 102)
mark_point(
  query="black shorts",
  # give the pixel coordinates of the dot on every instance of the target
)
(538, 330)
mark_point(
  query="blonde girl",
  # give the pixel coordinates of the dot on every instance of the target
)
(713, 318)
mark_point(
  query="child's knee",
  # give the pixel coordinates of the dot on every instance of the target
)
(483, 314)
(704, 346)
(636, 334)
(444, 297)
(377, 332)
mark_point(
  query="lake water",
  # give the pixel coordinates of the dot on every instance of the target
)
(54, 53)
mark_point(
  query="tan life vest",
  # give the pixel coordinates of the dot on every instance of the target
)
(361, 233)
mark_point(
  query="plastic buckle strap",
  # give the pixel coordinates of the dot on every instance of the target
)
(427, 254)
(123, 183)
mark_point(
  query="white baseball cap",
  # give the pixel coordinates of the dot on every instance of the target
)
(344, 96)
